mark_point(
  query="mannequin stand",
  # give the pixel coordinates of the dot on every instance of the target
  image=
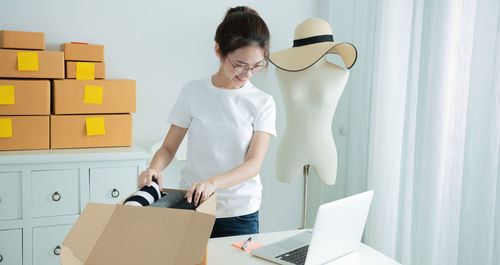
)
(312, 197)
(304, 210)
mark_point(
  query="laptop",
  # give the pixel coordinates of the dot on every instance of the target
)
(337, 232)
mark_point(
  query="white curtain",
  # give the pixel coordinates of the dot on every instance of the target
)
(435, 132)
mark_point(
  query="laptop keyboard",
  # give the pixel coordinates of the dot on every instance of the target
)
(296, 256)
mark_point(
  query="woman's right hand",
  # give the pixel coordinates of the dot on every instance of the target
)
(146, 177)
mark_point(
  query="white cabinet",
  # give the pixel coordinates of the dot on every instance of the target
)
(47, 243)
(55, 192)
(107, 185)
(43, 192)
(10, 247)
(10, 195)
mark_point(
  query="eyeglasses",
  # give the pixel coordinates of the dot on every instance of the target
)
(241, 69)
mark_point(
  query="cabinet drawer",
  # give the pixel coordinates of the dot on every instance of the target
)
(47, 243)
(10, 195)
(111, 185)
(55, 192)
(11, 249)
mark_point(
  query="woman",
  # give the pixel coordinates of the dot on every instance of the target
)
(229, 123)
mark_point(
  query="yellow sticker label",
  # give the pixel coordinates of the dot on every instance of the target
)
(85, 71)
(7, 95)
(27, 61)
(95, 126)
(93, 94)
(6, 127)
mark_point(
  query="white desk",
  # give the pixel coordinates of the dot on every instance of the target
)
(221, 252)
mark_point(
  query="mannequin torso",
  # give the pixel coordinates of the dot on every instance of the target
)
(310, 97)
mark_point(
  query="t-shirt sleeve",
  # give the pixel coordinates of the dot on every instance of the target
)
(180, 115)
(266, 119)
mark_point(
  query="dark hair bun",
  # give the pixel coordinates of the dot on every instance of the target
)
(242, 26)
(241, 9)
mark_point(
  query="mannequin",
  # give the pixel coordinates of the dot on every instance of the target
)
(311, 88)
(310, 97)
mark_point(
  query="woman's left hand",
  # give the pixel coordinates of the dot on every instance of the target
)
(199, 192)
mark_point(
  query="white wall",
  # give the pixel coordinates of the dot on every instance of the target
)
(163, 44)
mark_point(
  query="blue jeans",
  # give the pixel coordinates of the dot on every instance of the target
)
(238, 225)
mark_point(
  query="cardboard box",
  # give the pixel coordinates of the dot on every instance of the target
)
(100, 70)
(28, 132)
(131, 235)
(83, 52)
(50, 65)
(22, 40)
(30, 97)
(72, 131)
(93, 96)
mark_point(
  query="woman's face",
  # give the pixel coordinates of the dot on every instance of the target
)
(241, 64)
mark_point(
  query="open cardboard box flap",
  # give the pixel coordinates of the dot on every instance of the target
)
(131, 235)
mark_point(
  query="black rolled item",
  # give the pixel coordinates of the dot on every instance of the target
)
(183, 204)
(146, 195)
(174, 200)
(169, 200)
(152, 196)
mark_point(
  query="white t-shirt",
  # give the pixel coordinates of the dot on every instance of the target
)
(221, 123)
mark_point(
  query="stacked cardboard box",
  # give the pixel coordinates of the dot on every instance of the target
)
(85, 60)
(25, 104)
(89, 111)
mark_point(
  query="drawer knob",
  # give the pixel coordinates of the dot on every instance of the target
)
(1, 258)
(115, 193)
(56, 196)
(57, 250)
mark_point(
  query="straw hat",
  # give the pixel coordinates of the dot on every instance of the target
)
(312, 40)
